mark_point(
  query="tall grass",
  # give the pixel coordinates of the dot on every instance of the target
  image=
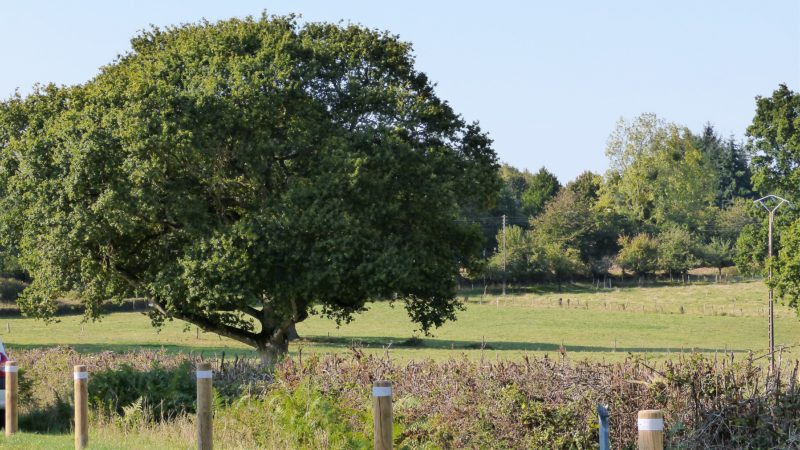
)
(324, 401)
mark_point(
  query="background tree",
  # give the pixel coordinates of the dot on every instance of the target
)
(628, 148)
(676, 248)
(518, 264)
(245, 174)
(774, 142)
(514, 183)
(558, 262)
(728, 160)
(786, 273)
(728, 222)
(638, 254)
(587, 186)
(567, 220)
(542, 187)
(751, 249)
(571, 222)
(657, 175)
(717, 253)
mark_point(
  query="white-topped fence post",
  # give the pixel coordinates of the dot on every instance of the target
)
(81, 377)
(651, 429)
(205, 427)
(12, 422)
(382, 414)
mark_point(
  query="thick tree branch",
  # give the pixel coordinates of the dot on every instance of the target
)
(237, 334)
(250, 311)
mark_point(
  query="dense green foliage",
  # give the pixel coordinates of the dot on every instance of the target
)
(238, 174)
(168, 391)
(671, 201)
(775, 143)
(638, 253)
(658, 176)
(542, 187)
(524, 193)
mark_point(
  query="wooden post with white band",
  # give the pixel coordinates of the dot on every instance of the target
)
(651, 429)
(382, 414)
(81, 377)
(12, 423)
(204, 424)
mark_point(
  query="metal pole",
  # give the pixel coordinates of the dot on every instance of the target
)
(504, 254)
(602, 412)
(771, 302)
(771, 310)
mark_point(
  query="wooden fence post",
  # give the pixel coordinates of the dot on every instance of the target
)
(651, 429)
(382, 414)
(204, 423)
(12, 424)
(81, 377)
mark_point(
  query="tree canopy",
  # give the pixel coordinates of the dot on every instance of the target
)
(727, 158)
(774, 142)
(242, 175)
(542, 187)
(657, 175)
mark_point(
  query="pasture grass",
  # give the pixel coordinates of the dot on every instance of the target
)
(605, 324)
(108, 439)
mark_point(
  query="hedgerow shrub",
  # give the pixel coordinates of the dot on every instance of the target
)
(325, 402)
(167, 391)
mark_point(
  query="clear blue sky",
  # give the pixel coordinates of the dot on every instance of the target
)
(548, 80)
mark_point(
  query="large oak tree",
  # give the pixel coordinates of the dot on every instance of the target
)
(243, 175)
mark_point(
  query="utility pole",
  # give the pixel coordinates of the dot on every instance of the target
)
(763, 202)
(504, 254)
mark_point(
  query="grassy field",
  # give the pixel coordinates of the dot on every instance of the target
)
(656, 322)
(26, 441)
(595, 324)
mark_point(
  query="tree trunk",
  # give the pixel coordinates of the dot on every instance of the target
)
(271, 351)
(291, 333)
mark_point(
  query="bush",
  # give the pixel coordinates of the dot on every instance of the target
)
(300, 417)
(168, 392)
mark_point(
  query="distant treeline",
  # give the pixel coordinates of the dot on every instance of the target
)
(672, 200)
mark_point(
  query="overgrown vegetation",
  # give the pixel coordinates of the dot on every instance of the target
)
(324, 401)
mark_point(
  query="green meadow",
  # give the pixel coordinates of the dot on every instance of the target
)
(595, 324)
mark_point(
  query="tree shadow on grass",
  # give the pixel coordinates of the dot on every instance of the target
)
(445, 344)
(586, 287)
(205, 352)
(376, 342)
